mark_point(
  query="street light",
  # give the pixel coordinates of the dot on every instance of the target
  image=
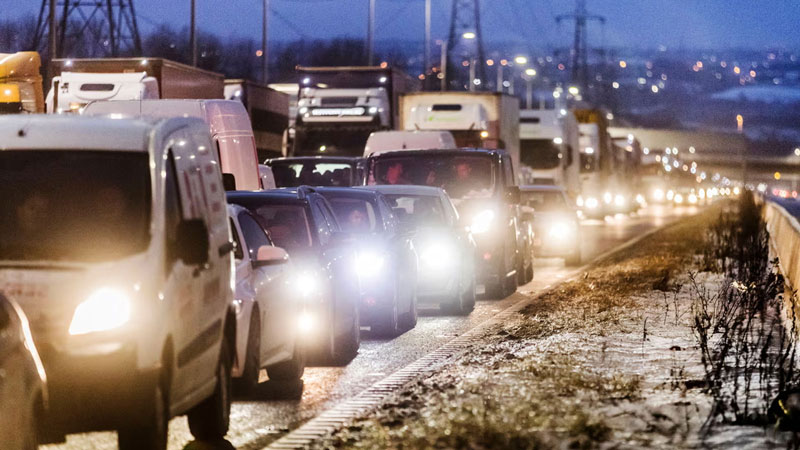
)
(468, 35)
(521, 60)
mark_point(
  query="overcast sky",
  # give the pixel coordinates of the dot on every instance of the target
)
(636, 23)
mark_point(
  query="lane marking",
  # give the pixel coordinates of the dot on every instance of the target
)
(368, 400)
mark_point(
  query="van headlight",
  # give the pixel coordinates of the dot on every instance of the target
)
(369, 264)
(561, 230)
(482, 222)
(105, 309)
(592, 203)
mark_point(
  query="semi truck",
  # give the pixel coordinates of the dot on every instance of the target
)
(487, 120)
(269, 114)
(550, 148)
(20, 83)
(77, 82)
(339, 107)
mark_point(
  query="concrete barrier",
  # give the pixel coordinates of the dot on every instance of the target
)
(784, 236)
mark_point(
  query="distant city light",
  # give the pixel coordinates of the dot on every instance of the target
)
(615, 85)
(623, 64)
(468, 35)
(573, 90)
(797, 151)
(521, 60)
(692, 150)
(530, 72)
(654, 88)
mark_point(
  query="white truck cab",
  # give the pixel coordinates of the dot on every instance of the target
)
(71, 91)
(116, 245)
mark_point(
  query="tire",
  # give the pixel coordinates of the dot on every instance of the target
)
(291, 370)
(409, 319)
(252, 366)
(529, 273)
(210, 419)
(463, 303)
(345, 347)
(151, 431)
(388, 325)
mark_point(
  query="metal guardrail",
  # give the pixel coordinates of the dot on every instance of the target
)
(784, 236)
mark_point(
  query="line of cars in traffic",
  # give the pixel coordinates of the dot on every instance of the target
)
(154, 288)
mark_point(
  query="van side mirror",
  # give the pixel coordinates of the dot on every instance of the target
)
(228, 181)
(192, 242)
(513, 195)
(270, 256)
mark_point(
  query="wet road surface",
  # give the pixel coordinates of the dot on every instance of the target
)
(256, 422)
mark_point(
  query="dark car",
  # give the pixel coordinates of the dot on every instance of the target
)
(446, 249)
(483, 187)
(23, 393)
(317, 171)
(302, 222)
(556, 225)
(386, 261)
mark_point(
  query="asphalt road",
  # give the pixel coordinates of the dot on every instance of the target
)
(256, 422)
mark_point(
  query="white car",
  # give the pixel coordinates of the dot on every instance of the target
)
(267, 312)
(116, 244)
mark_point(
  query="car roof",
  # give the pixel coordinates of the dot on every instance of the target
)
(541, 188)
(348, 192)
(333, 159)
(57, 132)
(404, 189)
(453, 151)
(289, 195)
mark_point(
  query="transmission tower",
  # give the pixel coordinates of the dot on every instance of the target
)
(111, 25)
(465, 39)
(580, 48)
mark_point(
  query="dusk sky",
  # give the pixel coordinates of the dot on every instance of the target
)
(637, 23)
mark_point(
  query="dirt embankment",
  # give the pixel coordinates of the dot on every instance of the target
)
(607, 360)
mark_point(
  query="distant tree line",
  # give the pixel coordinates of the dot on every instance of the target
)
(236, 58)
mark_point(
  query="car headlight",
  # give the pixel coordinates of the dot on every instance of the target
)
(105, 309)
(592, 203)
(607, 197)
(619, 200)
(670, 194)
(678, 198)
(482, 222)
(438, 256)
(692, 199)
(305, 322)
(658, 195)
(560, 230)
(579, 201)
(369, 264)
(640, 199)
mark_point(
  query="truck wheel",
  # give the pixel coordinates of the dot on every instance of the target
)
(210, 419)
(151, 431)
(345, 347)
(252, 359)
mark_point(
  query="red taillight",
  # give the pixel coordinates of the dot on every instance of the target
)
(487, 256)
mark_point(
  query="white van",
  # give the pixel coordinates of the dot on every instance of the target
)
(116, 244)
(381, 141)
(231, 131)
(71, 91)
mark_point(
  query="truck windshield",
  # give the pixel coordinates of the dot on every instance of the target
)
(461, 176)
(325, 140)
(74, 206)
(347, 79)
(312, 173)
(540, 153)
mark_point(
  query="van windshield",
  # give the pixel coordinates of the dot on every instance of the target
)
(461, 176)
(73, 206)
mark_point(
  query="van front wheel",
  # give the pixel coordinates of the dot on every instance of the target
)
(151, 432)
(210, 419)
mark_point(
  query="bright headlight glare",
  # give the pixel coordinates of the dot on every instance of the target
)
(658, 194)
(592, 203)
(305, 322)
(437, 256)
(692, 199)
(607, 197)
(678, 198)
(482, 221)
(105, 309)
(305, 283)
(369, 264)
(619, 200)
(670, 194)
(560, 230)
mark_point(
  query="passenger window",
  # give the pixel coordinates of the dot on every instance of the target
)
(238, 251)
(389, 218)
(330, 217)
(254, 235)
(172, 211)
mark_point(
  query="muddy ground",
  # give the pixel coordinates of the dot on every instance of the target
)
(607, 360)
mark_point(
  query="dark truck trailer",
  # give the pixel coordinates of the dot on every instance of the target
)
(175, 80)
(339, 107)
(269, 114)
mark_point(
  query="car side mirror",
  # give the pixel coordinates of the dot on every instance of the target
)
(270, 256)
(513, 195)
(192, 243)
(229, 181)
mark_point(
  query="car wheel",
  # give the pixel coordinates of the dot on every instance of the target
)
(210, 419)
(388, 324)
(529, 273)
(151, 431)
(345, 347)
(291, 370)
(463, 303)
(410, 317)
(252, 365)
